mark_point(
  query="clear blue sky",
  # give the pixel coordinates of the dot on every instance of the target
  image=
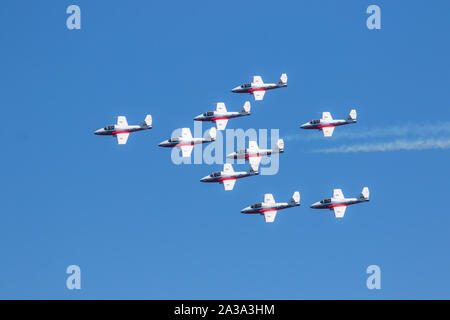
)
(141, 227)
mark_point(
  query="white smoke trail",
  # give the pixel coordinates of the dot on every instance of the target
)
(420, 144)
(407, 129)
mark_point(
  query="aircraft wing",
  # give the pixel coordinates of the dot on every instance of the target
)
(253, 146)
(270, 216)
(339, 211)
(186, 150)
(254, 162)
(327, 131)
(337, 194)
(228, 168)
(268, 198)
(229, 184)
(326, 116)
(122, 138)
(122, 121)
(220, 108)
(186, 133)
(259, 95)
(257, 80)
(221, 124)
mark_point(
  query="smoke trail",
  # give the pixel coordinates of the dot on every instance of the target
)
(407, 129)
(420, 144)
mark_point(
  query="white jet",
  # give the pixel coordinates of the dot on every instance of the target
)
(121, 130)
(269, 207)
(327, 123)
(228, 176)
(338, 203)
(221, 115)
(253, 154)
(258, 88)
(186, 142)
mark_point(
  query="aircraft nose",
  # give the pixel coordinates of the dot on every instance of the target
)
(204, 179)
(198, 117)
(163, 143)
(303, 126)
(98, 131)
(235, 89)
(245, 209)
(315, 204)
(231, 155)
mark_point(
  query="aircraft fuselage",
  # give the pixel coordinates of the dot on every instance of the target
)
(260, 208)
(183, 142)
(250, 87)
(332, 203)
(320, 123)
(225, 176)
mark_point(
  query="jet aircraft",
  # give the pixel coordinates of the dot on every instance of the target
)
(327, 123)
(338, 203)
(121, 130)
(186, 142)
(258, 88)
(221, 115)
(228, 176)
(269, 207)
(253, 154)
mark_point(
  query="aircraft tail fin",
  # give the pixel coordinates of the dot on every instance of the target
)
(211, 134)
(246, 107)
(280, 145)
(352, 115)
(252, 170)
(147, 121)
(364, 194)
(295, 198)
(283, 79)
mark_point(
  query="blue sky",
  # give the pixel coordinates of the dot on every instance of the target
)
(141, 227)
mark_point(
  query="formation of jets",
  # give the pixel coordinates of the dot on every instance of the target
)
(253, 154)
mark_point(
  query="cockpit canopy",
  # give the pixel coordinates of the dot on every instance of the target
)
(315, 121)
(246, 85)
(176, 139)
(109, 128)
(214, 174)
(326, 200)
(208, 114)
(256, 206)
